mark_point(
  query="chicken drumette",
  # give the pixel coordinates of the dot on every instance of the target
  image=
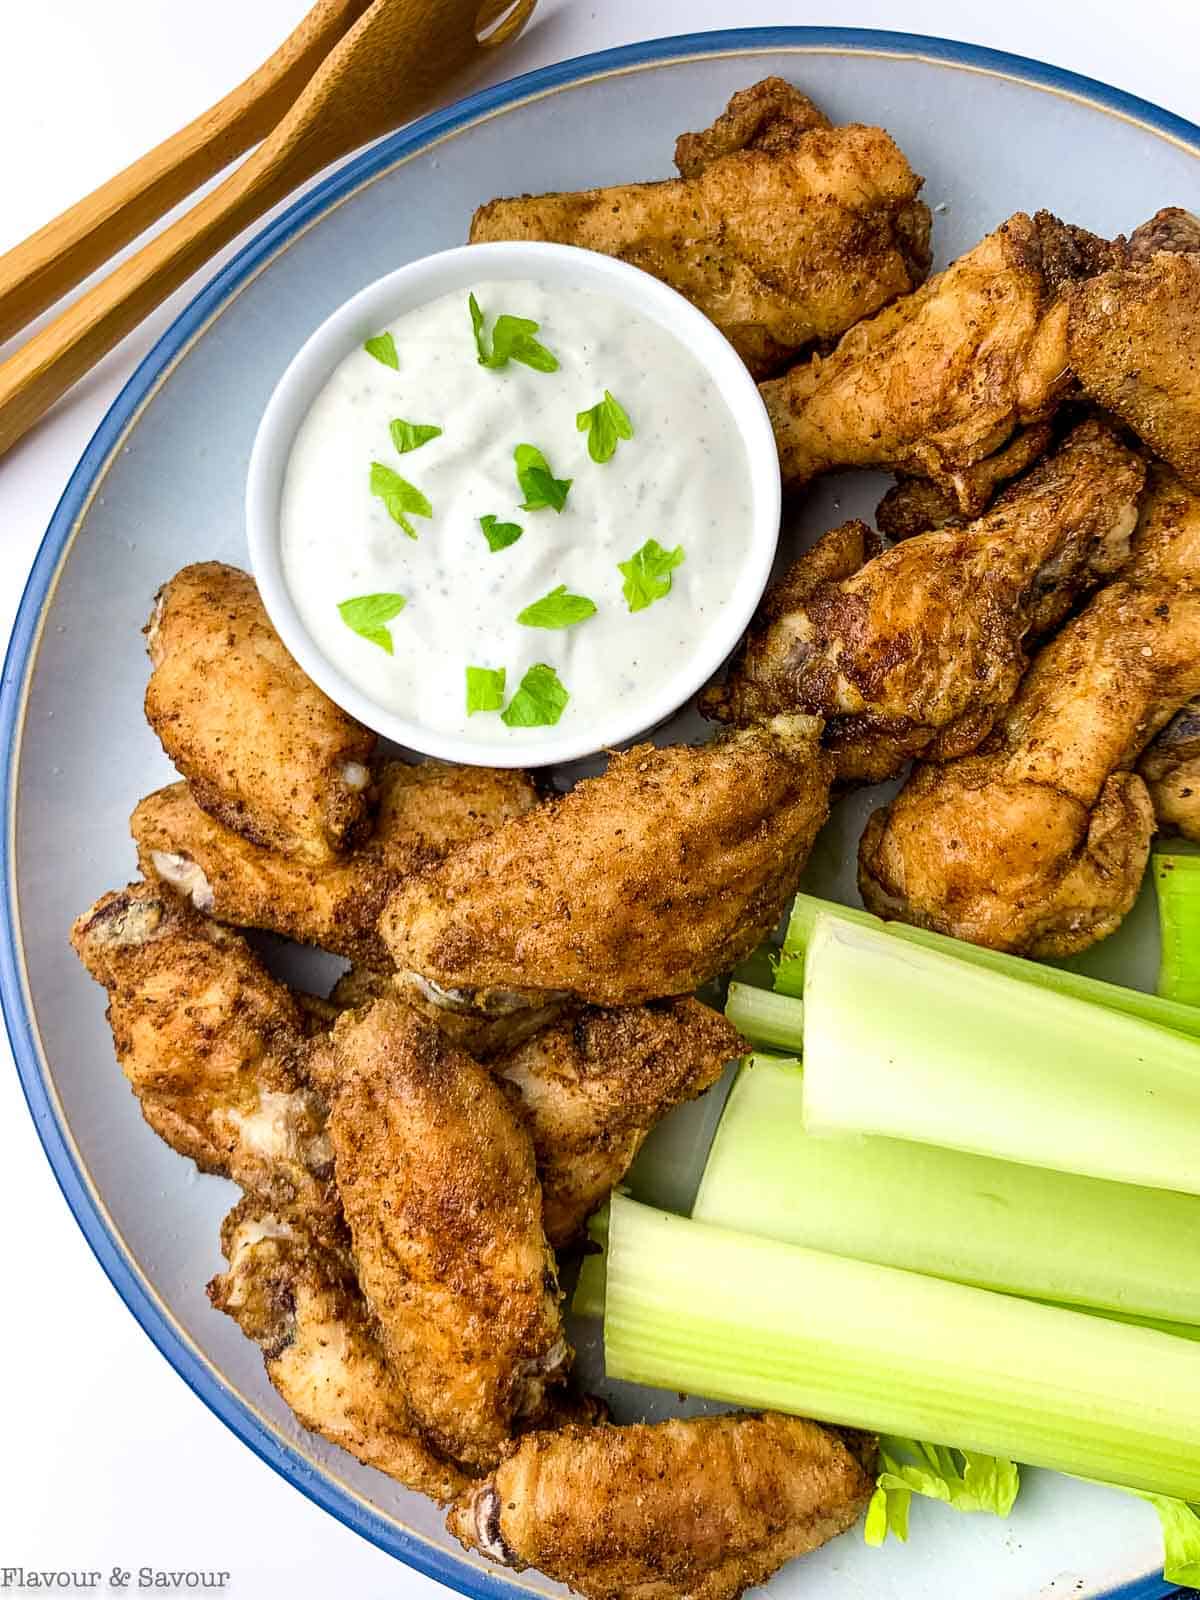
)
(782, 229)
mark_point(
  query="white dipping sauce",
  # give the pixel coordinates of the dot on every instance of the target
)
(682, 479)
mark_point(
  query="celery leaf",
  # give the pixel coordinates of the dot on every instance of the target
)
(964, 1479)
(1181, 1537)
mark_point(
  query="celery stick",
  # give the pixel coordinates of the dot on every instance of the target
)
(764, 1017)
(588, 1299)
(1166, 1012)
(1177, 881)
(760, 1323)
(911, 1044)
(1020, 1229)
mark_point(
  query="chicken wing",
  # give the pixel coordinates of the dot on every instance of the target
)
(265, 752)
(299, 1302)
(641, 883)
(213, 1047)
(424, 811)
(918, 650)
(438, 1185)
(1170, 769)
(782, 229)
(1038, 842)
(701, 1509)
(918, 505)
(939, 381)
(592, 1086)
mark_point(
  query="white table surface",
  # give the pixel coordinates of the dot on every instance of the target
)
(106, 1458)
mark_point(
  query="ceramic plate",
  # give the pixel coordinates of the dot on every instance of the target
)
(161, 484)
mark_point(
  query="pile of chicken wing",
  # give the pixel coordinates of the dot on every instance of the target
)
(418, 1150)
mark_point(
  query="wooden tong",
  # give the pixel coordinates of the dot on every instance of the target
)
(349, 73)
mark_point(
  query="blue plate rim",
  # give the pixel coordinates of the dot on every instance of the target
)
(456, 1572)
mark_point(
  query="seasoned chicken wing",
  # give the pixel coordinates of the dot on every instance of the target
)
(641, 883)
(265, 752)
(935, 384)
(918, 505)
(701, 1509)
(424, 811)
(918, 650)
(592, 1086)
(299, 1301)
(1038, 842)
(437, 1180)
(213, 1047)
(782, 229)
(1171, 771)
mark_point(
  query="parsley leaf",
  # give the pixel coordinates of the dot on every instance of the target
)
(500, 535)
(558, 609)
(485, 689)
(367, 613)
(512, 340)
(539, 486)
(399, 496)
(383, 348)
(648, 574)
(408, 436)
(605, 423)
(539, 702)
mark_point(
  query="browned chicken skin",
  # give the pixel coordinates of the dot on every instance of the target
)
(642, 883)
(701, 1509)
(1038, 842)
(300, 1303)
(423, 812)
(939, 381)
(782, 229)
(1170, 769)
(593, 1085)
(918, 505)
(437, 1181)
(266, 753)
(213, 1047)
(917, 650)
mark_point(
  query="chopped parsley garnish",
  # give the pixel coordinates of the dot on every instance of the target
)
(485, 689)
(500, 535)
(558, 609)
(539, 702)
(399, 496)
(648, 574)
(538, 484)
(408, 436)
(512, 340)
(367, 613)
(383, 347)
(605, 423)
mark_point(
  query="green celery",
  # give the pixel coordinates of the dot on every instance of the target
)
(764, 1017)
(963, 1479)
(764, 1324)
(908, 1043)
(996, 1224)
(1177, 881)
(1166, 1012)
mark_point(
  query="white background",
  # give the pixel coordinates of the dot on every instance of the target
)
(106, 1458)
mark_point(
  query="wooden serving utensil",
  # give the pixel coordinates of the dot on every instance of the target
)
(385, 68)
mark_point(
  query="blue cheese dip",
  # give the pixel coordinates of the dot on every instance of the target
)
(403, 615)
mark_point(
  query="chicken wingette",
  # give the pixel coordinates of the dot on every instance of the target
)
(916, 651)
(266, 753)
(682, 1510)
(1170, 769)
(642, 883)
(424, 811)
(782, 229)
(437, 1181)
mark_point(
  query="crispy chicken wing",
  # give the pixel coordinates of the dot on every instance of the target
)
(782, 229)
(701, 1509)
(299, 1301)
(918, 505)
(641, 883)
(1171, 771)
(919, 649)
(936, 383)
(438, 1185)
(424, 811)
(1038, 842)
(213, 1047)
(592, 1086)
(265, 752)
